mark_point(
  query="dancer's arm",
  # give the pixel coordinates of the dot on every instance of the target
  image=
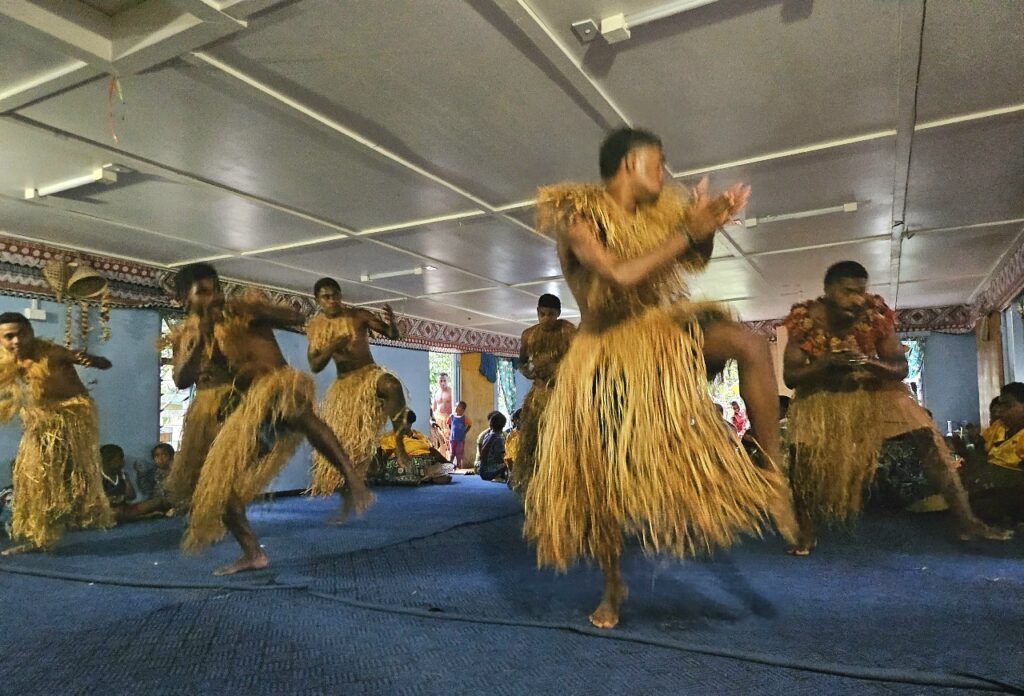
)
(186, 358)
(799, 369)
(278, 316)
(319, 357)
(702, 217)
(891, 362)
(626, 273)
(524, 359)
(388, 329)
(80, 357)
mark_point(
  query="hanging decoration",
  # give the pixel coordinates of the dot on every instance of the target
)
(83, 325)
(113, 88)
(68, 325)
(76, 282)
(105, 315)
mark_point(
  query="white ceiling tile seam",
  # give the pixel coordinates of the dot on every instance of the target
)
(80, 249)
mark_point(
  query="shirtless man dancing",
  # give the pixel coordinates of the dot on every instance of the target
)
(272, 410)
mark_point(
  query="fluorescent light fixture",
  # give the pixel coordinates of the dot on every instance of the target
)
(106, 174)
(844, 208)
(419, 270)
(616, 27)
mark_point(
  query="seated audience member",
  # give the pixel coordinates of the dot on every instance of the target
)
(428, 464)
(511, 440)
(491, 453)
(995, 481)
(116, 484)
(6, 501)
(151, 483)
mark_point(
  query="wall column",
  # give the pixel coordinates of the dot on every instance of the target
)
(990, 361)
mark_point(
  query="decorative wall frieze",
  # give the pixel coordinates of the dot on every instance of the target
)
(135, 285)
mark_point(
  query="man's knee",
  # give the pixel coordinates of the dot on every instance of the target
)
(388, 386)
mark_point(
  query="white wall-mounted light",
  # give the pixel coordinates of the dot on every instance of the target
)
(615, 28)
(106, 174)
(419, 270)
(844, 208)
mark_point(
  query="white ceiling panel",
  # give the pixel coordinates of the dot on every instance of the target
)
(763, 307)
(199, 120)
(257, 271)
(386, 84)
(559, 288)
(802, 272)
(868, 221)
(428, 309)
(967, 173)
(509, 303)
(60, 227)
(734, 79)
(194, 213)
(956, 253)
(971, 57)
(934, 293)
(726, 279)
(509, 328)
(353, 258)
(489, 246)
(22, 59)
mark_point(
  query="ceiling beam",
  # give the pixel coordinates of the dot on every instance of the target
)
(911, 35)
(132, 41)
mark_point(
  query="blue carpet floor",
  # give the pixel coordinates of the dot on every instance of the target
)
(434, 592)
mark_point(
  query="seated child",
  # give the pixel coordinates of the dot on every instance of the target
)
(491, 453)
(116, 484)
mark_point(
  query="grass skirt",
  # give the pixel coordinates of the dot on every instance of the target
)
(253, 444)
(630, 441)
(525, 461)
(837, 438)
(203, 421)
(56, 475)
(352, 409)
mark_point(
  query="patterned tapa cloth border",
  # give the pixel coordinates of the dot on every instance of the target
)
(136, 285)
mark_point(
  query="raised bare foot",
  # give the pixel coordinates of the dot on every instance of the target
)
(20, 548)
(352, 500)
(979, 530)
(244, 563)
(606, 615)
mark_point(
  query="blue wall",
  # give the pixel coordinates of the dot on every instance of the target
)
(127, 395)
(411, 367)
(950, 377)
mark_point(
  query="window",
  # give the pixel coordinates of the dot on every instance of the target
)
(914, 348)
(173, 401)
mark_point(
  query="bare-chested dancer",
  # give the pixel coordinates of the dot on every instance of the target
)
(274, 409)
(365, 394)
(630, 440)
(540, 350)
(56, 473)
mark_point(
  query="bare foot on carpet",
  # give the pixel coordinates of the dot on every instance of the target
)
(606, 615)
(20, 548)
(980, 530)
(799, 549)
(242, 564)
